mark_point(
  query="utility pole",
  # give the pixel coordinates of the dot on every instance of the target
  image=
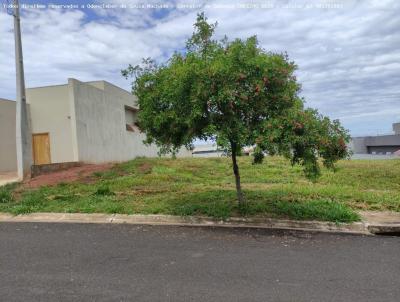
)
(23, 127)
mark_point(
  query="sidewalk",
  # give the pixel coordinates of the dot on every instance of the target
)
(372, 222)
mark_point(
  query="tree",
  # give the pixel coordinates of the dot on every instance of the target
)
(240, 95)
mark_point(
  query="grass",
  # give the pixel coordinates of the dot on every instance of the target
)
(196, 186)
(6, 195)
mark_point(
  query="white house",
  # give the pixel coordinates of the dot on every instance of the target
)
(90, 122)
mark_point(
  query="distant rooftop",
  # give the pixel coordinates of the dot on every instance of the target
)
(205, 147)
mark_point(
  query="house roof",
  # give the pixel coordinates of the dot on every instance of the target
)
(6, 100)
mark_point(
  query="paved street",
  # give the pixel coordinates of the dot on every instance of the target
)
(82, 262)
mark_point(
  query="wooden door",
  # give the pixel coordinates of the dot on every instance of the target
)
(41, 148)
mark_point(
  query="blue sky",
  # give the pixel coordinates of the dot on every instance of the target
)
(347, 51)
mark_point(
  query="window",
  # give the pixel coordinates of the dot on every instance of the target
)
(131, 119)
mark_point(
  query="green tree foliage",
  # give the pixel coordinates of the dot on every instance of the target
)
(240, 95)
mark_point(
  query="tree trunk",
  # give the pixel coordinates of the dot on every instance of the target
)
(237, 175)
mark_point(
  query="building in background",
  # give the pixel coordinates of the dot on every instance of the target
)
(89, 122)
(208, 150)
(213, 150)
(378, 145)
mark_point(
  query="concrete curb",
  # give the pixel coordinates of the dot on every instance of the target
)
(235, 222)
(380, 229)
(381, 222)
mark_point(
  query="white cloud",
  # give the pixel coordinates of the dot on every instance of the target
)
(347, 56)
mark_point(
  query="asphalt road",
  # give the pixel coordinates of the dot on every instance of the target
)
(82, 262)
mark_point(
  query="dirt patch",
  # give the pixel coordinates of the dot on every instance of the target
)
(145, 168)
(82, 173)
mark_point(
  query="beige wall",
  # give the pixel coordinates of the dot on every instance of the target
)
(86, 122)
(8, 151)
(101, 124)
(50, 112)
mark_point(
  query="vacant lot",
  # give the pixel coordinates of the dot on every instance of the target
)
(206, 187)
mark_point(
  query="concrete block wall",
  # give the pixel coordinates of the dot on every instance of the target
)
(357, 145)
(85, 120)
(101, 134)
(8, 149)
(50, 113)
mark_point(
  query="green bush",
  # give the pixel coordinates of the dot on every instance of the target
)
(104, 191)
(258, 157)
(6, 194)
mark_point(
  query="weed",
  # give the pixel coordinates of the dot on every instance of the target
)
(104, 191)
(6, 194)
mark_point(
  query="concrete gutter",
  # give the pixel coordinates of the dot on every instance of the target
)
(236, 222)
(381, 222)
